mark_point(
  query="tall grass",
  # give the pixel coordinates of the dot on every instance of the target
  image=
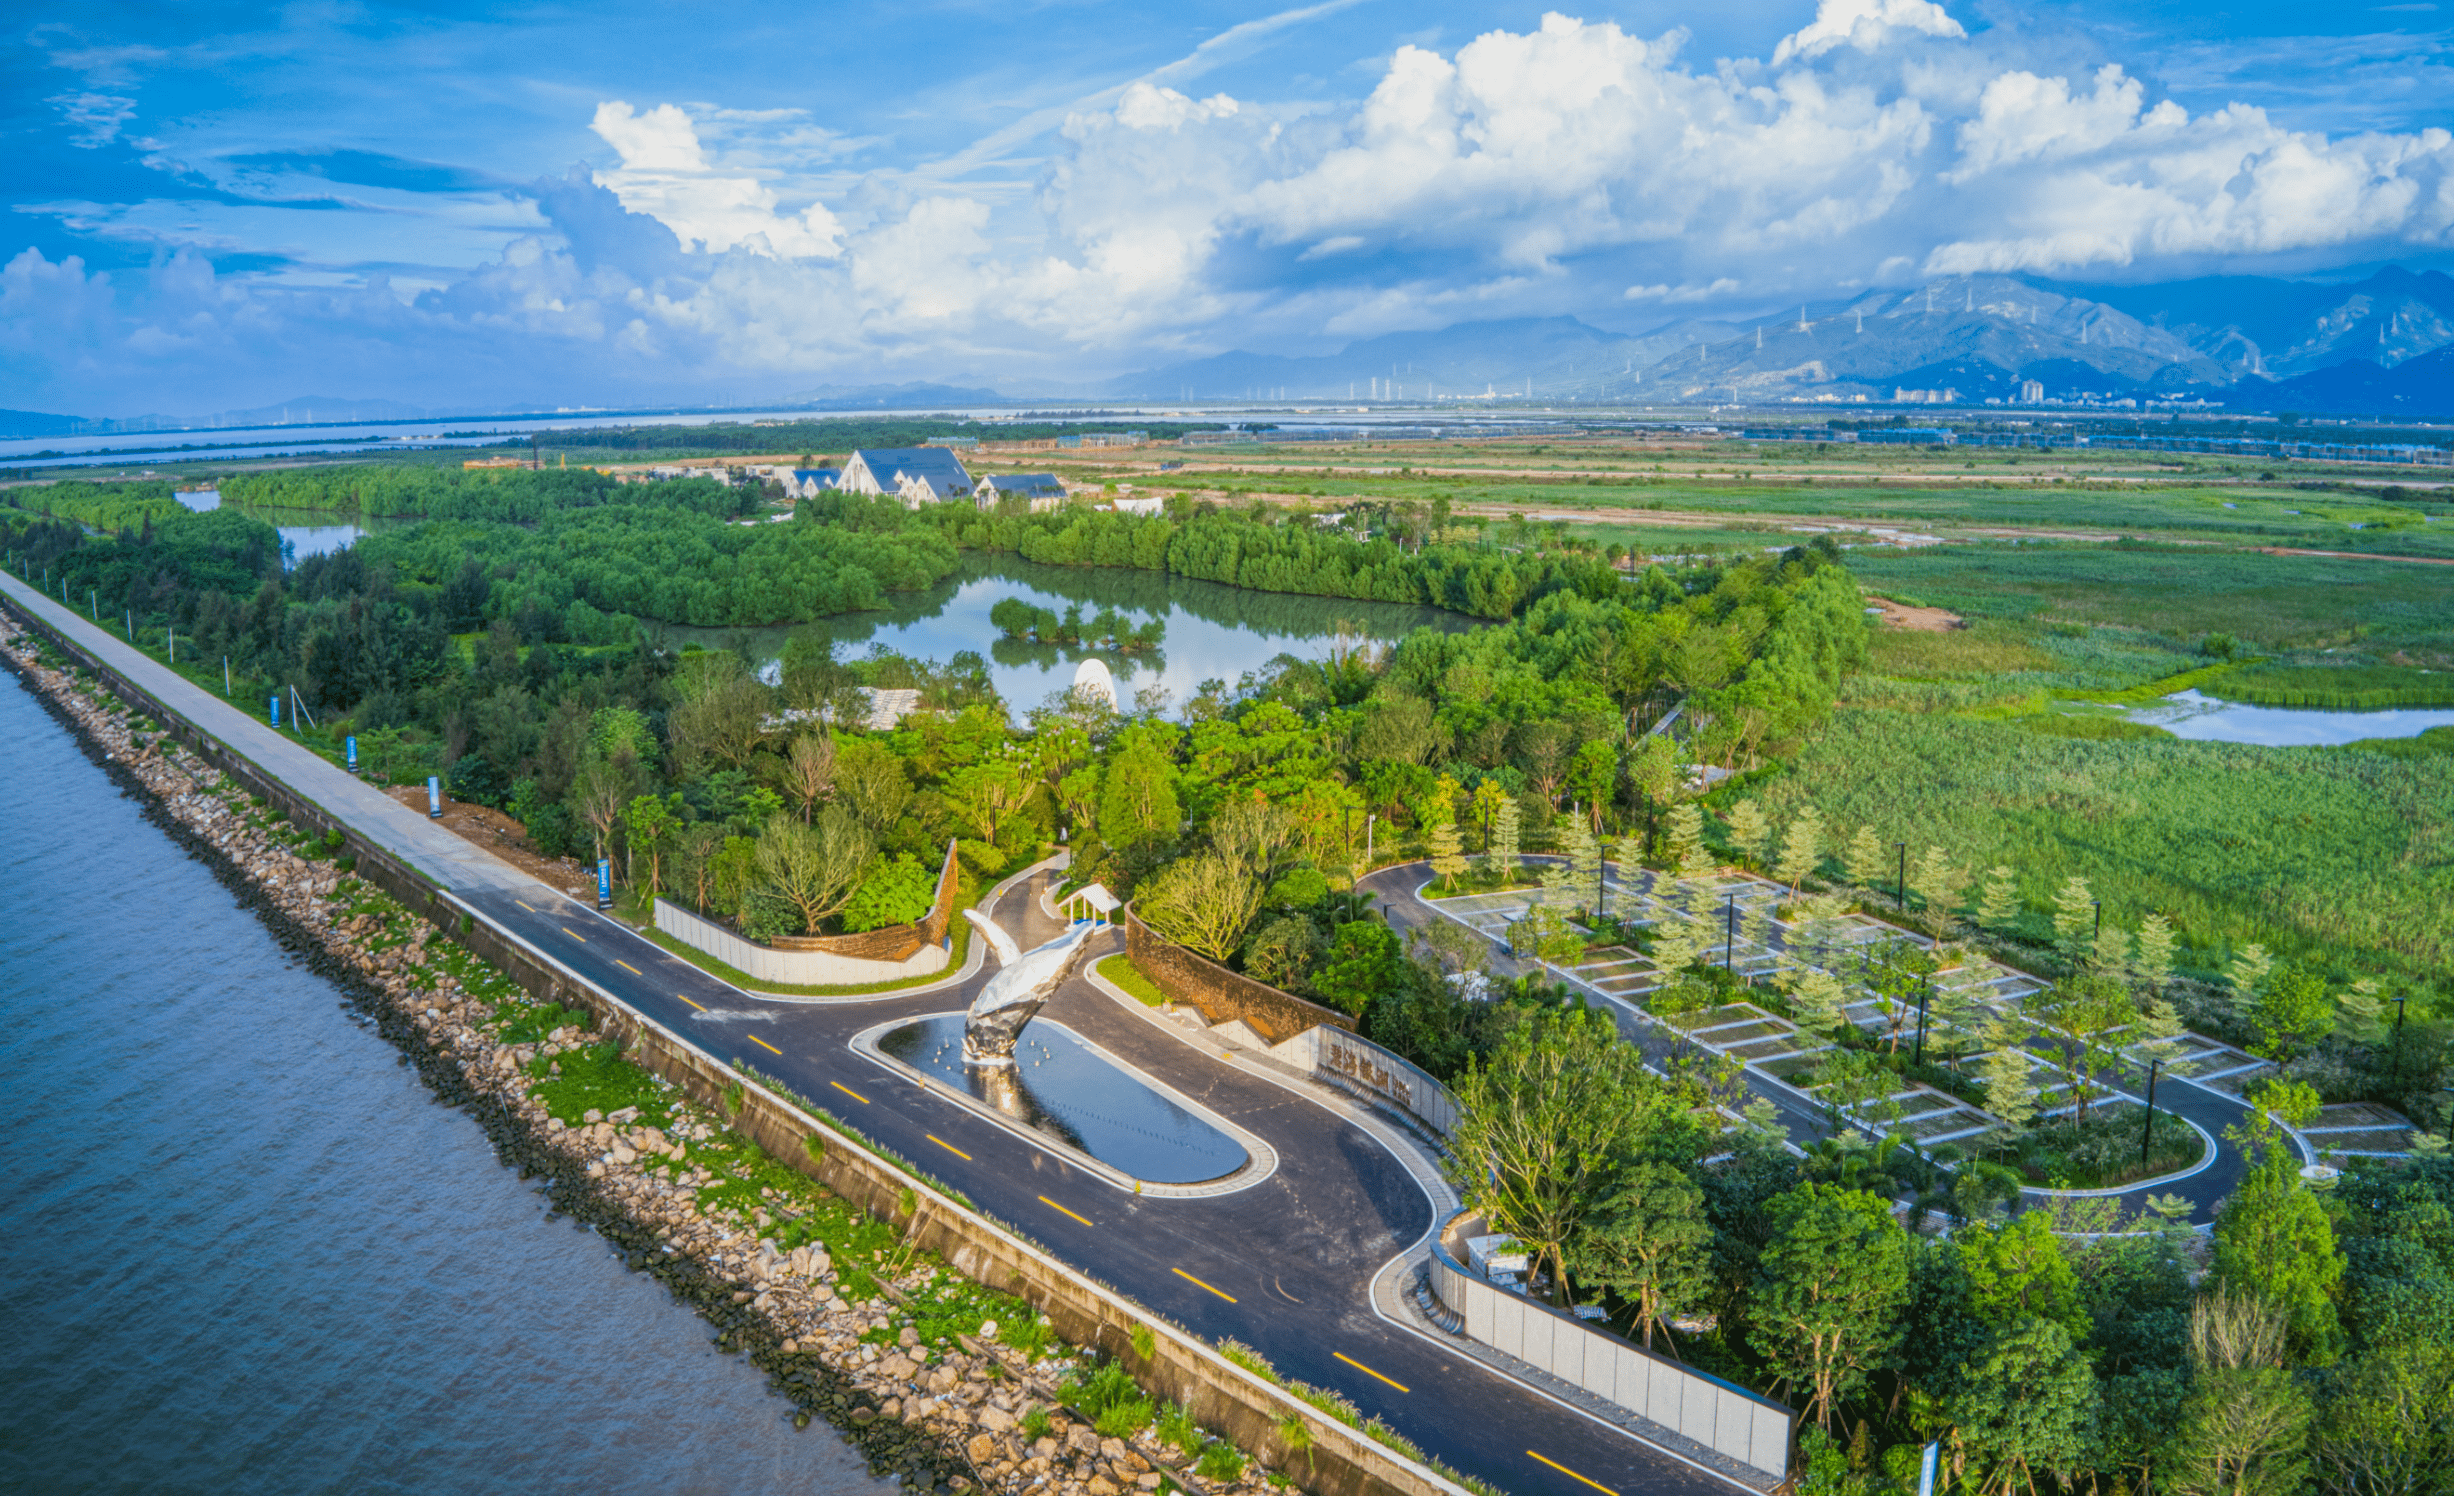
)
(2337, 687)
(2336, 852)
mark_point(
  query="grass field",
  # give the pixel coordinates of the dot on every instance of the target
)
(2304, 850)
(2270, 603)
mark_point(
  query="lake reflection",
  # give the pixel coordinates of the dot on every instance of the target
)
(2205, 719)
(1213, 631)
(307, 532)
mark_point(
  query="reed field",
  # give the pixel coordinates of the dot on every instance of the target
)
(2307, 851)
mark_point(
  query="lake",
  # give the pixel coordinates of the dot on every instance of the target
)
(1213, 631)
(305, 532)
(2202, 718)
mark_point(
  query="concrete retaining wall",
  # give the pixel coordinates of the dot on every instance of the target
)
(790, 968)
(1727, 1419)
(1222, 995)
(1225, 1397)
(1363, 1066)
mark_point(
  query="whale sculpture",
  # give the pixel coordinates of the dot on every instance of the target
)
(1024, 982)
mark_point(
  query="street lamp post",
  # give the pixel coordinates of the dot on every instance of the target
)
(2100, 919)
(2147, 1133)
(1925, 1004)
(2398, 1038)
(1900, 891)
(1367, 837)
(1729, 945)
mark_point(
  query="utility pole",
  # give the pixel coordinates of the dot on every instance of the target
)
(2147, 1134)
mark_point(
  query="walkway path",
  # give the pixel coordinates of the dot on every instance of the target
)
(1768, 1045)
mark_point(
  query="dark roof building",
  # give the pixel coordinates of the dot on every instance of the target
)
(916, 475)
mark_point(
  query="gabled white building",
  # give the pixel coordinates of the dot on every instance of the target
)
(916, 475)
(1044, 491)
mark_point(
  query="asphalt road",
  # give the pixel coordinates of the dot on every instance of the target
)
(1284, 1266)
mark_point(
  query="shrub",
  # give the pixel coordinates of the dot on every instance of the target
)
(1219, 1462)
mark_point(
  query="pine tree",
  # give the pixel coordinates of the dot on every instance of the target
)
(1937, 883)
(2009, 1093)
(1749, 831)
(1447, 853)
(1814, 918)
(2110, 955)
(1686, 848)
(2074, 919)
(1754, 921)
(2152, 963)
(1863, 861)
(1998, 905)
(1556, 894)
(1631, 856)
(1801, 848)
(2247, 974)
(1817, 1000)
(1674, 946)
(2361, 1003)
(1500, 861)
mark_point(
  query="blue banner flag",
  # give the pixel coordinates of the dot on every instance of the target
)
(353, 754)
(434, 798)
(604, 883)
(276, 712)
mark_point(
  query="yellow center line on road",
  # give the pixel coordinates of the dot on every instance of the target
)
(1053, 1205)
(1572, 1475)
(763, 1044)
(1197, 1283)
(1368, 1371)
(686, 998)
(523, 903)
(626, 966)
(949, 1147)
(848, 1091)
(575, 935)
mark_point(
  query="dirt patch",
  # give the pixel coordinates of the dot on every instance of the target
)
(484, 826)
(1915, 620)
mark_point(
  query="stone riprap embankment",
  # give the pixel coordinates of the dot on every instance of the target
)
(851, 1325)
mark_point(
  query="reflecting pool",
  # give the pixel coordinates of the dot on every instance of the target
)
(1060, 1086)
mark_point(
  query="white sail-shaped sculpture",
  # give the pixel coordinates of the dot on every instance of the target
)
(1024, 982)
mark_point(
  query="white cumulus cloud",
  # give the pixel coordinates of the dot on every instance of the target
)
(666, 175)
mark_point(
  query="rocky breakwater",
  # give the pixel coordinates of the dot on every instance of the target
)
(935, 1379)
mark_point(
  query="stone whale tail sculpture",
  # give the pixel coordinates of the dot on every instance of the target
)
(1024, 982)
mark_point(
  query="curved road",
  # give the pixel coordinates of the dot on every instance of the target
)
(1285, 1266)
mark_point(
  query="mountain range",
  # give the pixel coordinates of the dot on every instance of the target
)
(2382, 345)
(2248, 342)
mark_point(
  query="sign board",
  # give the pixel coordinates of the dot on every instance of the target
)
(1925, 1470)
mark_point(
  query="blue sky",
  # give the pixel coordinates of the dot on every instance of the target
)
(215, 206)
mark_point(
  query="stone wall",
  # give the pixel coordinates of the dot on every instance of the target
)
(1222, 995)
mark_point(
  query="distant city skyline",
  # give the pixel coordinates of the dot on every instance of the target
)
(629, 204)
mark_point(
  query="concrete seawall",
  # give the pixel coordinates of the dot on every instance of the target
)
(429, 870)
